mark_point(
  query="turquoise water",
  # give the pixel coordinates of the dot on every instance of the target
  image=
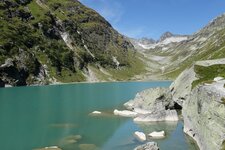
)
(36, 117)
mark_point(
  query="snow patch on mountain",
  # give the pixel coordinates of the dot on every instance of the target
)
(145, 46)
(173, 40)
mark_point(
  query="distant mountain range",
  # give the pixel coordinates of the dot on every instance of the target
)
(166, 39)
(169, 56)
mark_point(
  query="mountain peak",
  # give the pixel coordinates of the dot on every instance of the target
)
(165, 36)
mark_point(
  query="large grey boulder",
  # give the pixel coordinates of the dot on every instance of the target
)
(148, 146)
(204, 116)
(153, 105)
(181, 87)
(148, 99)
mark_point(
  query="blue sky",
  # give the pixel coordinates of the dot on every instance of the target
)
(151, 18)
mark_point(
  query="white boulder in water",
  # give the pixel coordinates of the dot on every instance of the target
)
(140, 136)
(96, 112)
(155, 134)
(125, 113)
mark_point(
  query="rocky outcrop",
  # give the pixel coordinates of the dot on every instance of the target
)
(204, 115)
(148, 146)
(22, 70)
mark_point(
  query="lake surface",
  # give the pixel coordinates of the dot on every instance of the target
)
(36, 117)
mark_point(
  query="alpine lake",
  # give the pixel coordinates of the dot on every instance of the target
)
(59, 115)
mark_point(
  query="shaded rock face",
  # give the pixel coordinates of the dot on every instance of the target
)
(13, 75)
(148, 146)
(204, 115)
(165, 35)
(16, 71)
(2, 84)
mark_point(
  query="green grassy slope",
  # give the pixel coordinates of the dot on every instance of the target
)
(32, 35)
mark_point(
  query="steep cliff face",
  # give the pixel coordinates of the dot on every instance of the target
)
(200, 91)
(60, 41)
(200, 73)
(204, 115)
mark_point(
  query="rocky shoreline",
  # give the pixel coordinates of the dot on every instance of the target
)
(203, 105)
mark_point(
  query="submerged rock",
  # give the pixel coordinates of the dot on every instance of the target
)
(64, 125)
(148, 146)
(125, 113)
(70, 139)
(49, 148)
(140, 136)
(88, 147)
